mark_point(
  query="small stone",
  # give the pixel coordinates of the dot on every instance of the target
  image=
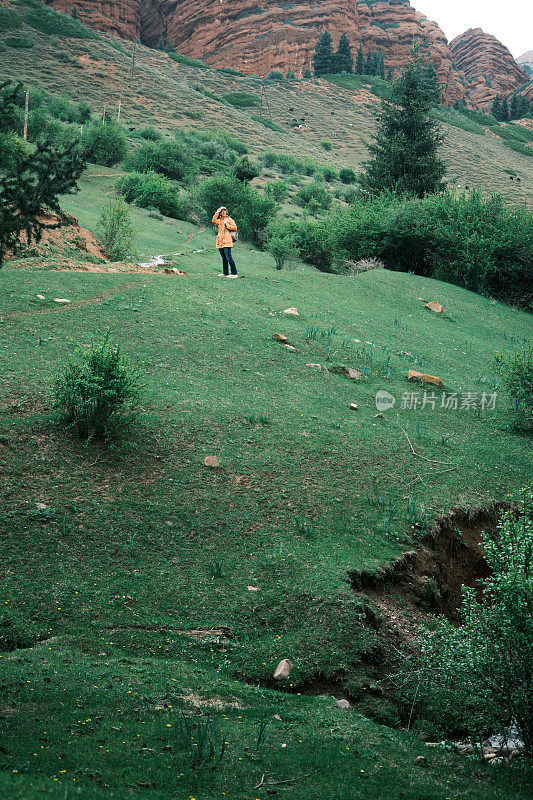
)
(41, 506)
(379, 416)
(284, 745)
(211, 461)
(343, 703)
(353, 406)
(174, 271)
(253, 588)
(435, 306)
(277, 716)
(432, 744)
(41, 297)
(420, 761)
(423, 378)
(314, 366)
(290, 347)
(61, 300)
(283, 669)
(279, 337)
(355, 375)
(292, 312)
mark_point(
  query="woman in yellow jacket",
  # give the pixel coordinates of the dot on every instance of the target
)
(225, 226)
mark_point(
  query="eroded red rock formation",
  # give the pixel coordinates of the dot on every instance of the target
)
(488, 66)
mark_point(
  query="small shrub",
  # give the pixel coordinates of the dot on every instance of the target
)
(20, 42)
(278, 190)
(275, 75)
(105, 143)
(329, 173)
(16, 632)
(230, 71)
(351, 195)
(11, 146)
(269, 159)
(307, 74)
(152, 190)
(147, 132)
(116, 231)
(190, 62)
(246, 170)
(52, 22)
(363, 265)
(283, 251)
(268, 123)
(167, 157)
(516, 374)
(326, 144)
(347, 175)
(9, 19)
(96, 396)
(314, 197)
(242, 99)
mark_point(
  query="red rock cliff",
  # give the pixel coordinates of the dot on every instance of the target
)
(489, 67)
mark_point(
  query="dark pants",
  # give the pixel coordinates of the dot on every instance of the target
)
(227, 259)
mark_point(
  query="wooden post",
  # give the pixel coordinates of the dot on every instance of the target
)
(103, 116)
(26, 108)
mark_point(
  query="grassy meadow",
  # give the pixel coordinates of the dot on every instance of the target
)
(146, 598)
(163, 592)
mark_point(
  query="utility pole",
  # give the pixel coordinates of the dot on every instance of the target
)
(26, 108)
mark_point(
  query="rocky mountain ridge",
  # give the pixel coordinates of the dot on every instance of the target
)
(278, 35)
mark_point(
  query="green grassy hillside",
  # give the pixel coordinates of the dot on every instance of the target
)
(156, 90)
(139, 547)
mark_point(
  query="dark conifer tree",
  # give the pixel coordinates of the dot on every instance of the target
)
(343, 56)
(370, 64)
(505, 110)
(404, 154)
(323, 60)
(514, 109)
(360, 61)
(380, 65)
(496, 108)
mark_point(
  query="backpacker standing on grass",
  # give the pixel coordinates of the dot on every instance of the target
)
(226, 237)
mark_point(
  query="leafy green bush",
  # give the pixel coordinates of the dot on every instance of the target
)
(326, 144)
(147, 132)
(519, 147)
(230, 71)
(347, 175)
(483, 667)
(251, 210)
(283, 251)
(9, 19)
(11, 146)
(275, 75)
(515, 133)
(246, 170)
(20, 42)
(211, 152)
(457, 119)
(116, 232)
(16, 632)
(170, 158)
(469, 240)
(105, 143)
(190, 62)
(278, 190)
(329, 173)
(516, 374)
(46, 20)
(242, 99)
(152, 190)
(95, 396)
(314, 197)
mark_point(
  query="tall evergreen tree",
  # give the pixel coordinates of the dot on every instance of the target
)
(323, 60)
(380, 65)
(514, 107)
(370, 64)
(432, 84)
(360, 61)
(496, 107)
(390, 74)
(404, 153)
(505, 110)
(343, 56)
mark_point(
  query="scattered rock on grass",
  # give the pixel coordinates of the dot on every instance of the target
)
(379, 416)
(423, 378)
(290, 347)
(253, 588)
(420, 761)
(41, 297)
(343, 703)
(279, 337)
(61, 300)
(283, 669)
(353, 406)
(355, 375)
(292, 312)
(173, 271)
(435, 306)
(211, 461)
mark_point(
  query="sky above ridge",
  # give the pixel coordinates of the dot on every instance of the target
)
(510, 21)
